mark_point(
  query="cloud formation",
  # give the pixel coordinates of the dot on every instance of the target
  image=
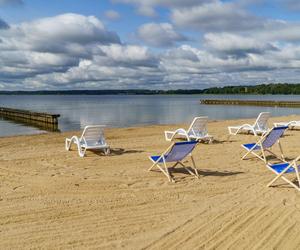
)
(112, 14)
(10, 2)
(229, 45)
(147, 7)
(159, 34)
(3, 24)
(217, 16)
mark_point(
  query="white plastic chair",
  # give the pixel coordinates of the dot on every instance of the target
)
(92, 138)
(291, 124)
(197, 131)
(259, 127)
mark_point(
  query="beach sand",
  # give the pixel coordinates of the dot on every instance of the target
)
(53, 199)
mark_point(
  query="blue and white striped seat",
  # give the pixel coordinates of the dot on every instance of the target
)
(280, 169)
(265, 144)
(175, 153)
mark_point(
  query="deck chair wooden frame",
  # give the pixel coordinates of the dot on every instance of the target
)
(163, 159)
(92, 137)
(265, 143)
(259, 127)
(284, 168)
(196, 131)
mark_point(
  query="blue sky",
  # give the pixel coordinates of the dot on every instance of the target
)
(155, 44)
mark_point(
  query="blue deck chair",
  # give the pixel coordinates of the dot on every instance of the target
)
(175, 153)
(284, 168)
(265, 144)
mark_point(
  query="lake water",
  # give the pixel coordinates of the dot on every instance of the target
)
(78, 111)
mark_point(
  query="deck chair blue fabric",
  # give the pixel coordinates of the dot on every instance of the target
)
(265, 144)
(175, 153)
(285, 168)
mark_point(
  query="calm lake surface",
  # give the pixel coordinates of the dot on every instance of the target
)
(78, 111)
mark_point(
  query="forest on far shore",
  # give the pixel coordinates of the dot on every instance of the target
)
(261, 89)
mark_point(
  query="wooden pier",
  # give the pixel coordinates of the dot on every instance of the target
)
(293, 104)
(41, 120)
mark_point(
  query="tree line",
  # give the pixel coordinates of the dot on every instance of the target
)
(261, 89)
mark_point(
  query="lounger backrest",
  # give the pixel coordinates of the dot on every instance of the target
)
(198, 126)
(93, 135)
(261, 122)
(180, 150)
(273, 136)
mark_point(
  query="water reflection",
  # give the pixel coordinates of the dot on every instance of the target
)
(129, 110)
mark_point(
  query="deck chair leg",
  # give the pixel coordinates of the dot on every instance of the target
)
(297, 174)
(194, 166)
(245, 155)
(263, 156)
(167, 172)
(153, 165)
(278, 175)
(281, 151)
(190, 172)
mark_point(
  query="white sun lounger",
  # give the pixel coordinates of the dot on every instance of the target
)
(92, 138)
(197, 131)
(291, 124)
(259, 127)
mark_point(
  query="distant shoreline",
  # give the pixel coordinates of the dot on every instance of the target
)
(262, 89)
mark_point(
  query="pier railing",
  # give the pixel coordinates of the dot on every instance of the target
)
(42, 120)
(251, 103)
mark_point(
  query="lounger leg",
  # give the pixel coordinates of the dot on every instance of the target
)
(81, 151)
(107, 151)
(169, 135)
(68, 144)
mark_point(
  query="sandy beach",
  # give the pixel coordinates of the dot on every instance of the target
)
(53, 199)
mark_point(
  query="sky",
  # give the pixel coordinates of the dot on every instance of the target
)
(147, 44)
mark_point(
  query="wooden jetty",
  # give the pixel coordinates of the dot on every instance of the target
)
(42, 120)
(295, 104)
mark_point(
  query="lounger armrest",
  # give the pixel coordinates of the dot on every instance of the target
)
(238, 128)
(169, 134)
(180, 131)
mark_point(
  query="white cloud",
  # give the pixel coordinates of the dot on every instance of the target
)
(159, 34)
(72, 51)
(3, 24)
(238, 45)
(112, 14)
(11, 2)
(147, 7)
(217, 16)
(293, 5)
